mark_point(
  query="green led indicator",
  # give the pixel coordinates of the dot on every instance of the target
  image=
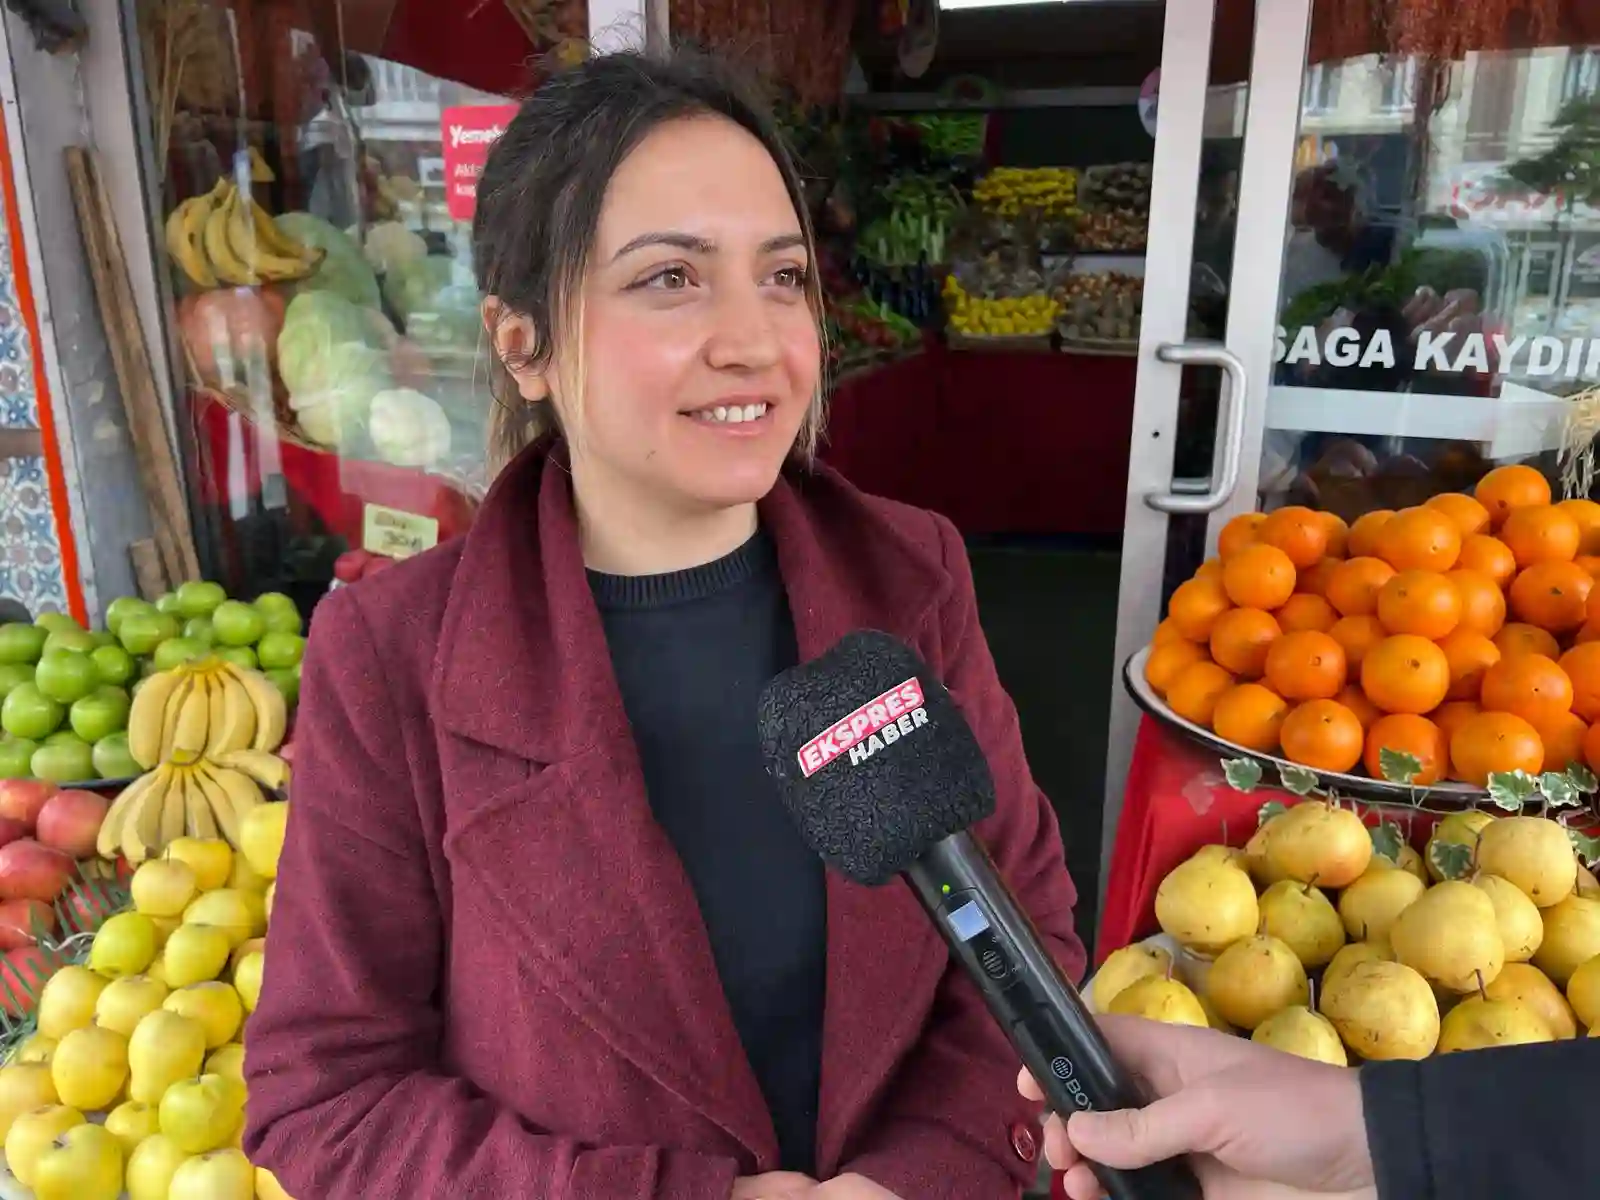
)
(946, 889)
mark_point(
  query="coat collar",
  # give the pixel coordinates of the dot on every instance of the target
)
(522, 625)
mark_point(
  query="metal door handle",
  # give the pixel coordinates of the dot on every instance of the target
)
(1206, 496)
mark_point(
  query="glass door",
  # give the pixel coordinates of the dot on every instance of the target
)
(1225, 136)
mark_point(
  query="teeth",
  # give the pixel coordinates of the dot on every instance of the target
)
(735, 415)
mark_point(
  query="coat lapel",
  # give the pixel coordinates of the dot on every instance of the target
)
(524, 668)
(884, 957)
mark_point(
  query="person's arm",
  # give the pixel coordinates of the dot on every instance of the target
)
(944, 1131)
(1502, 1124)
(348, 1096)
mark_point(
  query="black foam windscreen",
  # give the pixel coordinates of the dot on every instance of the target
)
(875, 763)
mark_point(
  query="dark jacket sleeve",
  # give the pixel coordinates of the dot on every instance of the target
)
(1501, 1124)
(348, 1096)
(945, 1132)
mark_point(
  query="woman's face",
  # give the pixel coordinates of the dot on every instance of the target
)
(700, 353)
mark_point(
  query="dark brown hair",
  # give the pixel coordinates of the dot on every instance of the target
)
(540, 195)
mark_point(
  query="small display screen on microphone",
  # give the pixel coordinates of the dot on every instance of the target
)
(968, 921)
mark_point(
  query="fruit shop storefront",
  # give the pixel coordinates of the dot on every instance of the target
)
(1253, 348)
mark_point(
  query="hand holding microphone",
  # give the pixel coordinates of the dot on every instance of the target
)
(884, 778)
(1262, 1125)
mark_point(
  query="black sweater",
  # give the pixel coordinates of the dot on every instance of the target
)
(693, 649)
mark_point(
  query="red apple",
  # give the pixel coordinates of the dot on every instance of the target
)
(70, 821)
(22, 971)
(88, 909)
(21, 799)
(11, 830)
(30, 871)
(20, 918)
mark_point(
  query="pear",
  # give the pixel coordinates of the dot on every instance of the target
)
(165, 1047)
(1528, 985)
(1254, 978)
(24, 1087)
(1383, 1011)
(1583, 990)
(1410, 862)
(1571, 938)
(1230, 855)
(1457, 829)
(1314, 842)
(1213, 1017)
(68, 999)
(1124, 966)
(1369, 906)
(1298, 1030)
(90, 1068)
(1304, 919)
(1158, 998)
(1257, 863)
(1206, 906)
(1588, 886)
(1478, 1023)
(1451, 937)
(1521, 927)
(1355, 952)
(1534, 853)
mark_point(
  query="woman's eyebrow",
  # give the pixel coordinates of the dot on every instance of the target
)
(694, 244)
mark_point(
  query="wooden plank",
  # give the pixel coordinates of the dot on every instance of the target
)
(147, 572)
(158, 470)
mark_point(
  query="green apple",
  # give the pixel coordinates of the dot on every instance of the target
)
(280, 650)
(112, 759)
(16, 757)
(70, 639)
(168, 604)
(123, 607)
(101, 713)
(66, 675)
(52, 622)
(116, 665)
(237, 624)
(287, 681)
(178, 650)
(141, 633)
(14, 675)
(21, 643)
(280, 612)
(29, 713)
(199, 629)
(199, 598)
(64, 758)
(239, 656)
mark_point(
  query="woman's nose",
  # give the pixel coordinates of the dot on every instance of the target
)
(742, 335)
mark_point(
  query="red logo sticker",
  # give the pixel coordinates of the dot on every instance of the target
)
(853, 734)
(468, 133)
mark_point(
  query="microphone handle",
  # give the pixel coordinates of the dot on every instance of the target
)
(1041, 1012)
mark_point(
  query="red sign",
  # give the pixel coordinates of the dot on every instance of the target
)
(880, 716)
(468, 132)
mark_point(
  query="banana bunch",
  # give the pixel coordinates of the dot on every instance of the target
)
(225, 237)
(206, 708)
(1044, 191)
(202, 799)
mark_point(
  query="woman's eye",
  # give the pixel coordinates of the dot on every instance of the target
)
(670, 279)
(790, 277)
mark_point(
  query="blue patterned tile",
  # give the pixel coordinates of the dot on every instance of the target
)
(17, 401)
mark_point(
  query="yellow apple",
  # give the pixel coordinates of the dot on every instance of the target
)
(31, 1132)
(124, 945)
(23, 1088)
(201, 1113)
(247, 979)
(195, 953)
(261, 837)
(33, 1049)
(228, 1062)
(219, 1175)
(241, 915)
(132, 1122)
(271, 894)
(84, 1163)
(211, 860)
(165, 1048)
(243, 877)
(215, 1005)
(151, 1167)
(244, 948)
(268, 1187)
(67, 1001)
(163, 887)
(127, 1001)
(90, 1067)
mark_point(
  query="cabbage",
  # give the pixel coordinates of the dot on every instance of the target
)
(344, 270)
(416, 286)
(390, 245)
(341, 320)
(408, 429)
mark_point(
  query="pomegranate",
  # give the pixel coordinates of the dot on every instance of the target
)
(70, 821)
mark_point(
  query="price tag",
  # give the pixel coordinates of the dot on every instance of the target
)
(396, 534)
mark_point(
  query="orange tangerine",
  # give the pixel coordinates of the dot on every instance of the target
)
(1470, 516)
(1195, 607)
(1353, 585)
(1516, 638)
(1507, 488)
(1483, 604)
(1492, 742)
(1363, 537)
(1305, 666)
(1407, 733)
(1420, 539)
(1239, 533)
(1405, 674)
(1537, 535)
(1193, 693)
(1421, 602)
(1587, 514)
(1303, 611)
(1259, 576)
(1532, 686)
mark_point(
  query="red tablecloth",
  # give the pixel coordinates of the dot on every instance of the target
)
(999, 442)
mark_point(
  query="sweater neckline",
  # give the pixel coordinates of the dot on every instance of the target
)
(756, 557)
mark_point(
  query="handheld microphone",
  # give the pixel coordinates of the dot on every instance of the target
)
(884, 777)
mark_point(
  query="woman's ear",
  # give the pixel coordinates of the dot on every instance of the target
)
(514, 338)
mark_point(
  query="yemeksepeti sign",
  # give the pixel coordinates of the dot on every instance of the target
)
(1447, 352)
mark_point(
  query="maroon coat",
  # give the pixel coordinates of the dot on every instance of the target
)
(489, 973)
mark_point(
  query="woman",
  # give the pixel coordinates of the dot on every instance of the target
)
(544, 929)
